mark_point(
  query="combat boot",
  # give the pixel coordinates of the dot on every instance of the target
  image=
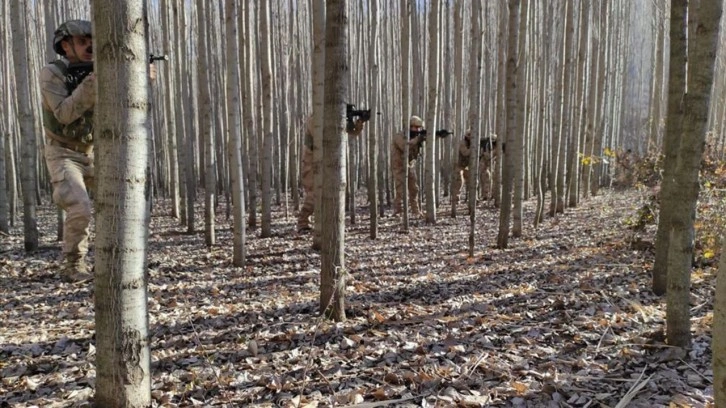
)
(75, 269)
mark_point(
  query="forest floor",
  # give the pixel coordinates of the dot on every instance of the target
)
(563, 317)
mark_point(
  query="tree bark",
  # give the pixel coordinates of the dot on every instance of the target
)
(432, 111)
(4, 207)
(234, 134)
(318, 70)
(122, 161)
(475, 123)
(205, 123)
(267, 114)
(373, 60)
(719, 333)
(702, 43)
(511, 98)
(28, 175)
(333, 167)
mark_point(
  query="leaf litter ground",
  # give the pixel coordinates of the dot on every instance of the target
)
(563, 317)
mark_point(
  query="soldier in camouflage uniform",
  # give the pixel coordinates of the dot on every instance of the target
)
(398, 164)
(68, 125)
(461, 166)
(309, 168)
(67, 108)
(487, 156)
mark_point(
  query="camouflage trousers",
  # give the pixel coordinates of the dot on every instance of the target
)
(485, 178)
(307, 176)
(72, 176)
(398, 176)
(461, 178)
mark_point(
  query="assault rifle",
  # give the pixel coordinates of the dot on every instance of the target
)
(487, 144)
(78, 71)
(423, 132)
(352, 113)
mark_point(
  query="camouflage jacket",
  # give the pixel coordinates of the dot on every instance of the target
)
(67, 116)
(399, 144)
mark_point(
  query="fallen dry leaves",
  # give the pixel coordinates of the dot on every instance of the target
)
(563, 317)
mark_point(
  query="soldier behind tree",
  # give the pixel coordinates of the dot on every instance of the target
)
(414, 138)
(309, 169)
(487, 152)
(68, 125)
(67, 107)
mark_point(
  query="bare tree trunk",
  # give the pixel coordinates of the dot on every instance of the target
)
(406, 52)
(25, 119)
(12, 177)
(169, 75)
(511, 92)
(234, 141)
(248, 101)
(459, 127)
(594, 88)
(191, 127)
(672, 142)
(690, 108)
(318, 70)
(7, 182)
(579, 105)
(516, 138)
(432, 111)
(123, 135)
(718, 345)
(374, 61)
(501, 114)
(335, 140)
(267, 122)
(475, 123)
(4, 208)
(205, 122)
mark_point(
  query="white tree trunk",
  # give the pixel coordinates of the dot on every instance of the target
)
(375, 70)
(267, 122)
(204, 64)
(123, 176)
(432, 112)
(335, 144)
(234, 133)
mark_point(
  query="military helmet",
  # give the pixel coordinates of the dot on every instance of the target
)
(69, 29)
(415, 121)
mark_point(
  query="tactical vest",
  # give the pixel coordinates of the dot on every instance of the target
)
(78, 131)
